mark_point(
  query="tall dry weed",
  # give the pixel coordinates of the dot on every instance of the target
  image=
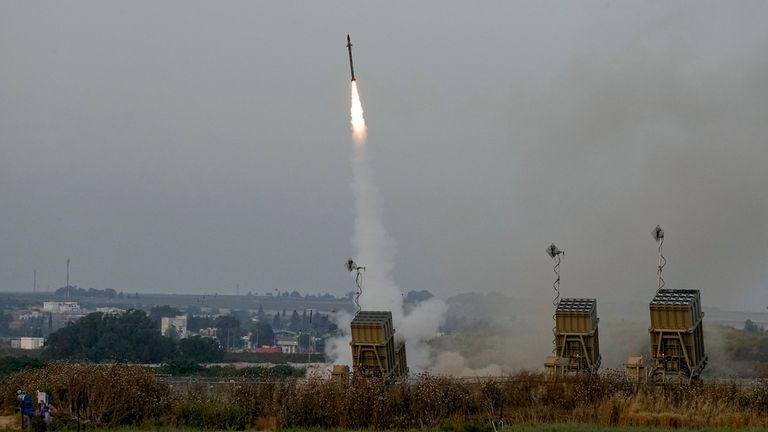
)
(122, 395)
(99, 394)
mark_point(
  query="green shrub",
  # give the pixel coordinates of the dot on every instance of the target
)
(10, 364)
(217, 416)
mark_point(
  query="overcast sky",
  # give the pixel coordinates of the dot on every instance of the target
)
(189, 146)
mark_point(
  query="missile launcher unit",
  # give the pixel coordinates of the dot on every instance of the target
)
(373, 345)
(340, 373)
(677, 335)
(635, 369)
(577, 348)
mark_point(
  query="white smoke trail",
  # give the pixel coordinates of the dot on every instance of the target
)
(375, 250)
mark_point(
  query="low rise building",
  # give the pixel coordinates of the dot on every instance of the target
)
(288, 346)
(28, 343)
(110, 310)
(61, 307)
(210, 332)
(174, 326)
(31, 315)
(246, 340)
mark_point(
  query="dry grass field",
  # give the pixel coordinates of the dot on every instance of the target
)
(471, 428)
(120, 395)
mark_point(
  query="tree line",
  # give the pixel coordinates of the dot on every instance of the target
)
(131, 336)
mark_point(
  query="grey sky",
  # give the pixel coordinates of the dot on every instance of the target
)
(189, 146)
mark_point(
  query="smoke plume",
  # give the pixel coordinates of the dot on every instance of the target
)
(375, 250)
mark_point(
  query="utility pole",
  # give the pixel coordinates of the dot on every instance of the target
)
(69, 291)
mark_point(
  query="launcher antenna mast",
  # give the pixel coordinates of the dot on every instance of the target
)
(352, 266)
(658, 235)
(554, 252)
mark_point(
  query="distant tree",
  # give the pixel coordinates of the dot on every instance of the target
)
(120, 295)
(5, 320)
(262, 334)
(277, 322)
(304, 321)
(229, 331)
(295, 294)
(68, 291)
(196, 323)
(181, 366)
(260, 315)
(224, 322)
(73, 290)
(242, 315)
(751, 327)
(305, 341)
(295, 325)
(319, 345)
(173, 333)
(750, 344)
(11, 364)
(320, 324)
(199, 349)
(165, 311)
(131, 336)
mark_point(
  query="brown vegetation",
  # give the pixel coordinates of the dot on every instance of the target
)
(100, 394)
(113, 395)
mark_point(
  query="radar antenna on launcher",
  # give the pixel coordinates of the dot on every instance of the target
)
(351, 266)
(658, 235)
(554, 252)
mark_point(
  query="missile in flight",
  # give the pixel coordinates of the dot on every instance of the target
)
(351, 67)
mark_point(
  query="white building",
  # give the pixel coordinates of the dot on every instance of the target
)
(110, 310)
(287, 340)
(61, 307)
(288, 346)
(174, 326)
(247, 345)
(210, 332)
(35, 314)
(28, 343)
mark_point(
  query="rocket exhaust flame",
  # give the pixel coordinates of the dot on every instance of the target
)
(359, 129)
